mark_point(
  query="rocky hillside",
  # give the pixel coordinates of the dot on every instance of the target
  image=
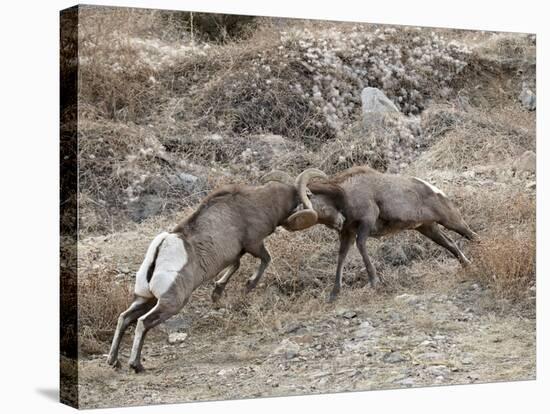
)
(172, 105)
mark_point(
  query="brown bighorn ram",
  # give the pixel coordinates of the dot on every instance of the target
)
(229, 222)
(361, 202)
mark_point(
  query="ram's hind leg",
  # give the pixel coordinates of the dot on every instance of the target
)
(139, 307)
(433, 232)
(222, 282)
(167, 306)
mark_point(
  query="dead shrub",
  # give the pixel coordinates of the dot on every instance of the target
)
(506, 262)
(100, 302)
(220, 27)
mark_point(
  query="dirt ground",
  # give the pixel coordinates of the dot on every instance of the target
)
(456, 332)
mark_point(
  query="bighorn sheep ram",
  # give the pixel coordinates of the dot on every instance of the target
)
(361, 202)
(229, 222)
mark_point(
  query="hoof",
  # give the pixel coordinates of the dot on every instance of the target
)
(137, 367)
(374, 283)
(114, 363)
(466, 263)
(250, 285)
(332, 297)
(475, 237)
(216, 295)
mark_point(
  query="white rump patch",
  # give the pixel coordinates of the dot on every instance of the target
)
(171, 258)
(431, 187)
(142, 287)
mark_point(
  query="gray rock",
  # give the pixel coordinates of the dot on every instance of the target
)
(393, 357)
(470, 174)
(365, 330)
(288, 349)
(349, 314)
(187, 179)
(356, 346)
(528, 99)
(407, 298)
(376, 105)
(526, 163)
(393, 254)
(467, 360)
(294, 328)
(407, 382)
(187, 183)
(346, 313)
(431, 357)
(177, 337)
(145, 206)
(438, 370)
(276, 142)
(531, 185)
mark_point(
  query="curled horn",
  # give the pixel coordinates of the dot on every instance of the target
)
(307, 217)
(276, 175)
(301, 184)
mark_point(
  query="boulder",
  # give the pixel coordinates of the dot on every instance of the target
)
(375, 106)
(528, 99)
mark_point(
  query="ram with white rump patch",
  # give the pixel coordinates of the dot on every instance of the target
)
(229, 222)
(361, 202)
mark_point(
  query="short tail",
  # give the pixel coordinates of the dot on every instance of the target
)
(147, 267)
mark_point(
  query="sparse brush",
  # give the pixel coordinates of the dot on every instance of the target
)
(465, 139)
(100, 302)
(506, 261)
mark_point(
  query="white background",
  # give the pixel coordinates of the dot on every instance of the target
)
(29, 203)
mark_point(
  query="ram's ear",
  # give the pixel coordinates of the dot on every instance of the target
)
(301, 220)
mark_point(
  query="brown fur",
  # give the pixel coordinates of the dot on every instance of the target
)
(230, 222)
(376, 204)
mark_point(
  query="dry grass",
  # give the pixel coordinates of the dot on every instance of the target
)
(463, 139)
(506, 261)
(100, 302)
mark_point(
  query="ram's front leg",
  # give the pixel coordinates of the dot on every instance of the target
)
(346, 238)
(261, 253)
(361, 242)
